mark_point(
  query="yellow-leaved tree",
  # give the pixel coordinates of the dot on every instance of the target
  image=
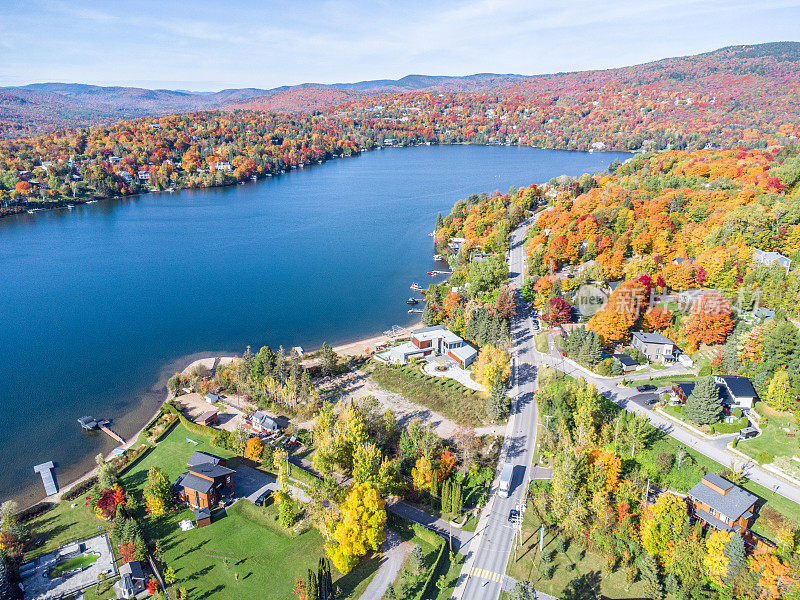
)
(360, 529)
(715, 560)
(253, 449)
(492, 363)
(422, 473)
(661, 524)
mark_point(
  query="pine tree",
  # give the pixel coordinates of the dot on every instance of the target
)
(737, 558)
(439, 222)
(653, 587)
(457, 498)
(704, 405)
(312, 585)
(593, 351)
(497, 403)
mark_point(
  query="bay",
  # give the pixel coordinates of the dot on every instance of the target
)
(100, 304)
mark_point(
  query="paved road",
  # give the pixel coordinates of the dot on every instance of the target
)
(484, 570)
(630, 399)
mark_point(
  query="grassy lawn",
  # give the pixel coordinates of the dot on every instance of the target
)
(106, 591)
(446, 396)
(451, 569)
(661, 381)
(773, 439)
(170, 455)
(570, 565)
(541, 342)
(246, 541)
(68, 565)
(62, 524)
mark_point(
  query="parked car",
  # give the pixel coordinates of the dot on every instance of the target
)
(645, 388)
(261, 499)
(512, 514)
(651, 400)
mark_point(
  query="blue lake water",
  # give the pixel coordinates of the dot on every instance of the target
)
(98, 305)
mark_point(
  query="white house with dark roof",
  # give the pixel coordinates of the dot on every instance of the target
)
(429, 342)
(654, 346)
(761, 257)
(735, 390)
(131, 582)
(721, 504)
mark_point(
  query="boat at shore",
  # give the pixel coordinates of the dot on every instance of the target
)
(412, 301)
(437, 257)
(416, 286)
(414, 310)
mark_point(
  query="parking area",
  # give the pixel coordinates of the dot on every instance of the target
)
(447, 367)
(40, 586)
(250, 483)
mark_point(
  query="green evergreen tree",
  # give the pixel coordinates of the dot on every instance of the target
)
(704, 405)
(447, 496)
(497, 403)
(434, 490)
(457, 498)
(653, 588)
(329, 359)
(736, 554)
(439, 222)
(312, 585)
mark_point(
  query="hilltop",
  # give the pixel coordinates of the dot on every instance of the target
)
(736, 73)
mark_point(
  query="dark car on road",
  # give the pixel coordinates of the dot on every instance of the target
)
(512, 515)
(261, 499)
(645, 388)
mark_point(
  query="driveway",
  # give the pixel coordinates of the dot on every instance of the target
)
(395, 552)
(250, 483)
(453, 371)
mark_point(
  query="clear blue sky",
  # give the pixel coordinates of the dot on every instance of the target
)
(210, 45)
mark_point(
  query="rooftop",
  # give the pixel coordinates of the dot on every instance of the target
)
(464, 352)
(733, 503)
(199, 458)
(652, 338)
(210, 470)
(625, 360)
(193, 482)
(739, 386)
(436, 331)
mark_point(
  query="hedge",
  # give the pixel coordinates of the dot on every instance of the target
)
(429, 589)
(426, 534)
(195, 428)
(730, 427)
(136, 456)
(34, 511)
(80, 489)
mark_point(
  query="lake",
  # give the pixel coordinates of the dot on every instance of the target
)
(102, 303)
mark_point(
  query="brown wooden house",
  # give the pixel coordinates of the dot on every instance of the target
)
(722, 505)
(208, 418)
(206, 481)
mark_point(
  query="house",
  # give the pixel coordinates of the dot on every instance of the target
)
(212, 398)
(208, 418)
(261, 422)
(681, 390)
(736, 391)
(763, 314)
(222, 166)
(628, 364)
(680, 261)
(654, 346)
(721, 504)
(206, 481)
(433, 341)
(131, 580)
(760, 257)
(125, 175)
(455, 243)
(143, 175)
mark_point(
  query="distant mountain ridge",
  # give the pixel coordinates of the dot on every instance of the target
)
(39, 107)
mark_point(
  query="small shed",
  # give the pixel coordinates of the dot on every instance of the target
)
(202, 516)
(212, 398)
(208, 418)
(628, 364)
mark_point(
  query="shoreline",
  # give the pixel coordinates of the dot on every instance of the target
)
(209, 359)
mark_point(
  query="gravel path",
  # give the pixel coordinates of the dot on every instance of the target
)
(395, 552)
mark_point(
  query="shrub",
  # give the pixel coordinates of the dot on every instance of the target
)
(737, 412)
(80, 489)
(34, 511)
(705, 371)
(664, 461)
(764, 457)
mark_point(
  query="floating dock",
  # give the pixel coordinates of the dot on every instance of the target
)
(48, 477)
(90, 423)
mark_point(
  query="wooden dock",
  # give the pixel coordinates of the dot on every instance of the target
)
(48, 477)
(103, 426)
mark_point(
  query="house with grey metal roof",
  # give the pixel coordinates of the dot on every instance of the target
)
(721, 504)
(761, 257)
(656, 347)
(132, 581)
(206, 481)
